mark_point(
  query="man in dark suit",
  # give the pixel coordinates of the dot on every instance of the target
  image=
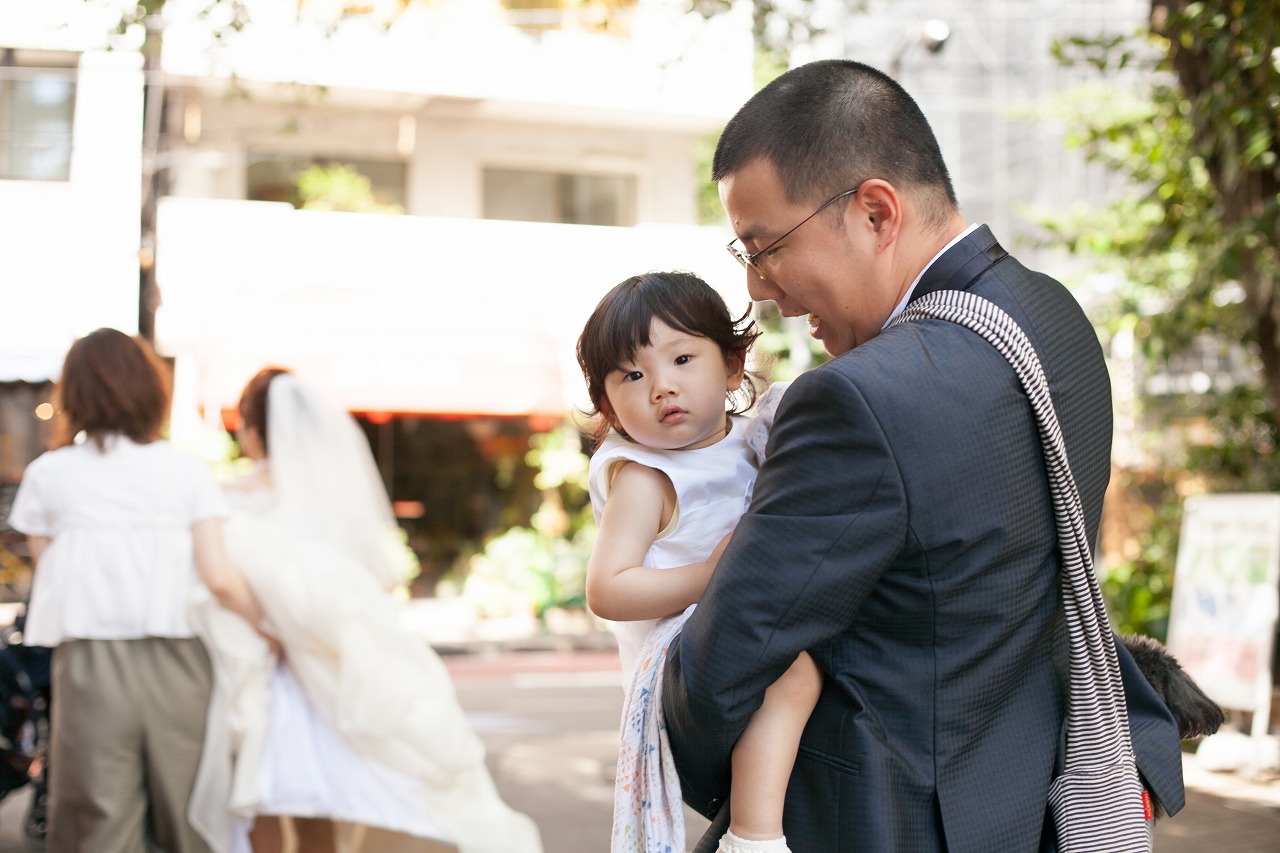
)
(902, 527)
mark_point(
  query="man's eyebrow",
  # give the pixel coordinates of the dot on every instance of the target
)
(750, 234)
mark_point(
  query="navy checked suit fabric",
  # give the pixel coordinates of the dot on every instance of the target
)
(902, 531)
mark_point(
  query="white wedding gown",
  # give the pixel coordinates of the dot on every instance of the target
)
(360, 722)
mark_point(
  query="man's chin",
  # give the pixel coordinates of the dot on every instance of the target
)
(834, 343)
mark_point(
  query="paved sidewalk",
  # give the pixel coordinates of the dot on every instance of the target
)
(1262, 790)
(1225, 813)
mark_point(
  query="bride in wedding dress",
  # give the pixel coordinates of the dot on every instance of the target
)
(357, 722)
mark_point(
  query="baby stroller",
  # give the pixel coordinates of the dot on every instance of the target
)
(24, 725)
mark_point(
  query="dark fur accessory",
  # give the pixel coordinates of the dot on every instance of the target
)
(1195, 713)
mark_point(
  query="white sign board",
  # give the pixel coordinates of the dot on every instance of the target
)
(1223, 620)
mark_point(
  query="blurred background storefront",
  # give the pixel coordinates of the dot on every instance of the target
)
(415, 211)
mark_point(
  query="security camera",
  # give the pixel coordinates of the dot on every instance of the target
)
(934, 34)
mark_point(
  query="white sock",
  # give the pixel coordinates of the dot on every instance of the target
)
(730, 843)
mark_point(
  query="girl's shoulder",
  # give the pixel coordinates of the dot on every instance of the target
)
(638, 475)
(615, 449)
(59, 459)
(613, 453)
(761, 421)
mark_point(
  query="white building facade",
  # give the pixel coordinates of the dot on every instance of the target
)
(538, 158)
(70, 203)
(535, 165)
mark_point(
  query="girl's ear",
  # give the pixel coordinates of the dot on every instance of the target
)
(735, 365)
(606, 412)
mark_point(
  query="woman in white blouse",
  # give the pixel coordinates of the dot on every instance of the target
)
(121, 527)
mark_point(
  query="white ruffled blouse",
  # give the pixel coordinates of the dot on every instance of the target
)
(120, 564)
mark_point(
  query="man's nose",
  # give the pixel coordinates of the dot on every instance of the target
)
(761, 289)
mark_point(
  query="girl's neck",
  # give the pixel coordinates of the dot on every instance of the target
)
(728, 428)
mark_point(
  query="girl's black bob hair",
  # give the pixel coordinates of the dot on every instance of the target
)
(619, 326)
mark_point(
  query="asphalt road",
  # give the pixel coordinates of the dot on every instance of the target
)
(549, 721)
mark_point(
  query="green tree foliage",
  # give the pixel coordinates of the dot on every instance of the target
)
(1222, 55)
(1195, 248)
(1196, 245)
(544, 565)
(148, 15)
(1139, 589)
(339, 188)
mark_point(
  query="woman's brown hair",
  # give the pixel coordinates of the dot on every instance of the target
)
(111, 383)
(253, 403)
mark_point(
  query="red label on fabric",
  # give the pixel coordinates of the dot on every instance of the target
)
(1146, 806)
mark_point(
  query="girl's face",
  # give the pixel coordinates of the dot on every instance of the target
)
(671, 395)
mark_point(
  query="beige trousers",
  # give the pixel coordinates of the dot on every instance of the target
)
(126, 728)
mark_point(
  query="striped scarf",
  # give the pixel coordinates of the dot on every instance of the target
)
(1098, 802)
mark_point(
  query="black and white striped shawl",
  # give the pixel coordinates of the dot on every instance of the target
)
(1098, 802)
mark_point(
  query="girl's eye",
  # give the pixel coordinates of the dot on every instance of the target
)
(633, 376)
(683, 359)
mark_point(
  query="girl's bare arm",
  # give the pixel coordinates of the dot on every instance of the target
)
(641, 502)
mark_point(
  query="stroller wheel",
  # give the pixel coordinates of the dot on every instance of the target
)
(36, 824)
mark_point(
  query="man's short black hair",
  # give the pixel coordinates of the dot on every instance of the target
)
(830, 125)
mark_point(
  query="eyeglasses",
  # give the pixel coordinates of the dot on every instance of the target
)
(751, 260)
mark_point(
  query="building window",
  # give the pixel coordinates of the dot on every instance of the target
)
(559, 197)
(273, 176)
(37, 109)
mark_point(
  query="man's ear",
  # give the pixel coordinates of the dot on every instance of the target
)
(879, 204)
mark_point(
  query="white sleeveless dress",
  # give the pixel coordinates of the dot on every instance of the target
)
(713, 487)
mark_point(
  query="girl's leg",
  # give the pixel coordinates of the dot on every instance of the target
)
(288, 834)
(268, 835)
(766, 752)
(315, 835)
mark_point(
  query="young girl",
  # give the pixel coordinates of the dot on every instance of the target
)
(664, 364)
